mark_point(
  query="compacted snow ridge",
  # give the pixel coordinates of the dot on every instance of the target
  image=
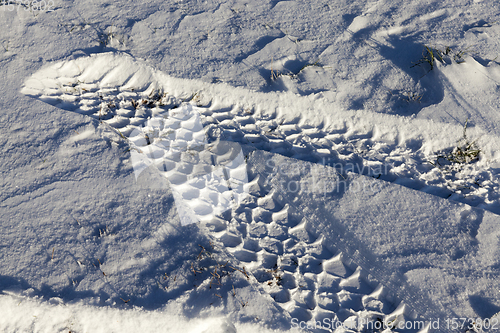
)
(128, 95)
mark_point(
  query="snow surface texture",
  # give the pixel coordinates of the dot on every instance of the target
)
(124, 94)
(77, 226)
(334, 276)
(439, 239)
(205, 180)
(174, 140)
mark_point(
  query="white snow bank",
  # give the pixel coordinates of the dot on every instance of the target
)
(24, 314)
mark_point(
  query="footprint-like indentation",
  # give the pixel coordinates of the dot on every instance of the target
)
(350, 300)
(304, 298)
(267, 202)
(289, 262)
(356, 283)
(257, 230)
(176, 178)
(271, 245)
(307, 281)
(328, 301)
(289, 129)
(185, 168)
(245, 255)
(281, 217)
(399, 317)
(254, 186)
(300, 233)
(296, 267)
(310, 264)
(336, 267)
(251, 245)
(302, 315)
(190, 193)
(376, 301)
(200, 207)
(263, 275)
(262, 215)
(281, 296)
(230, 240)
(269, 260)
(288, 281)
(328, 283)
(277, 231)
(216, 224)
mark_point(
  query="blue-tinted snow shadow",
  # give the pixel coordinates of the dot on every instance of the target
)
(87, 52)
(368, 221)
(171, 275)
(483, 306)
(260, 44)
(405, 53)
(19, 285)
(187, 260)
(291, 70)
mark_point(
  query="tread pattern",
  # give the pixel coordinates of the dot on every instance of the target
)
(199, 150)
(124, 94)
(298, 271)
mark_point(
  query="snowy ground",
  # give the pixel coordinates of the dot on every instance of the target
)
(249, 166)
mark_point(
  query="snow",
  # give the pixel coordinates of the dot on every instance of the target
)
(235, 166)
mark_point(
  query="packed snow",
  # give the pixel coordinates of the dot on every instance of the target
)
(263, 166)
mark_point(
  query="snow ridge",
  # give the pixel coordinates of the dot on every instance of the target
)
(124, 93)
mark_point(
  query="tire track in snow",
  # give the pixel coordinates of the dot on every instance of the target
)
(106, 93)
(294, 266)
